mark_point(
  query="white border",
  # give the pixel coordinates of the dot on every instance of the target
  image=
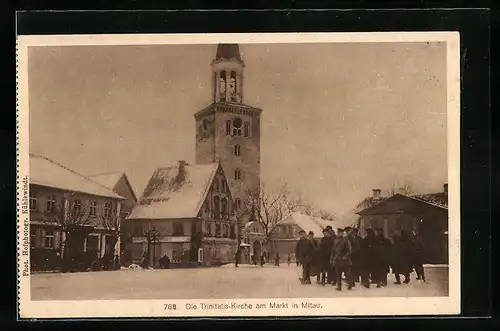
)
(330, 307)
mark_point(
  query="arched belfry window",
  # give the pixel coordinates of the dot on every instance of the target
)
(222, 84)
(237, 150)
(233, 86)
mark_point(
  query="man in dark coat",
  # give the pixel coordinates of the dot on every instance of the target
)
(368, 257)
(341, 259)
(384, 251)
(401, 259)
(237, 256)
(325, 252)
(354, 240)
(418, 257)
(304, 253)
(315, 267)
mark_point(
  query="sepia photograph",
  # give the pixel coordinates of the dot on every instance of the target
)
(239, 175)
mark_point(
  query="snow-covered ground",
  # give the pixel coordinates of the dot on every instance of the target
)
(224, 283)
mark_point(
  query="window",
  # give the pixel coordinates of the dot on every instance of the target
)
(228, 128)
(237, 124)
(51, 203)
(32, 201)
(216, 184)
(204, 128)
(246, 129)
(178, 229)
(225, 230)
(93, 208)
(222, 83)
(237, 174)
(216, 208)
(399, 224)
(107, 210)
(233, 86)
(237, 203)
(77, 207)
(233, 232)
(207, 207)
(217, 230)
(237, 150)
(92, 243)
(208, 229)
(137, 231)
(34, 234)
(223, 186)
(48, 239)
(224, 207)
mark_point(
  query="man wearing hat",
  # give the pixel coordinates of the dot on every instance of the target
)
(354, 240)
(325, 252)
(368, 258)
(384, 251)
(341, 259)
(304, 253)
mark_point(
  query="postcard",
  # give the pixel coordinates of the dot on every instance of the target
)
(251, 175)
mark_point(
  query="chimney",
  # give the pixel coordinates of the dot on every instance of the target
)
(446, 189)
(181, 176)
(377, 193)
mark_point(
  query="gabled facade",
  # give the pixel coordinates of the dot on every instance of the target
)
(62, 200)
(190, 208)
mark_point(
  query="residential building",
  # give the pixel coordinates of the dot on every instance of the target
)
(63, 202)
(185, 212)
(424, 214)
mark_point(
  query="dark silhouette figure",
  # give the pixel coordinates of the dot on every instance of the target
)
(384, 250)
(402, 257)
(304, 252)
(368, 258)
(325, 253)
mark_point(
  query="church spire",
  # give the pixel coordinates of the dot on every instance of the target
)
(227, 68)
(228, 52)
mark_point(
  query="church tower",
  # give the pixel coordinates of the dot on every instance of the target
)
(228, 131)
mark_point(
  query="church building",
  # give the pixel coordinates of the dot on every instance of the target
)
(199, 211)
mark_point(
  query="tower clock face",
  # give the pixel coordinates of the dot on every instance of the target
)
(237, 123)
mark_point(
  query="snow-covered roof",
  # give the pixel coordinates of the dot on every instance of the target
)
(167, 197)
(109, 180)
(306, 223)
(46, 172)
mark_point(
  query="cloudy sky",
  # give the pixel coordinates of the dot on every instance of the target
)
(338, 120)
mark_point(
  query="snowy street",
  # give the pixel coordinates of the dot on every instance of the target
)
(219, 283)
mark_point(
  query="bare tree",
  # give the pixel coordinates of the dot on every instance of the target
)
(270, 205)
(404, 188)
(153, 236)
(325, 214)
(75, 222)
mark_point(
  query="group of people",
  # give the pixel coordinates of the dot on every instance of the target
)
(360, 260)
